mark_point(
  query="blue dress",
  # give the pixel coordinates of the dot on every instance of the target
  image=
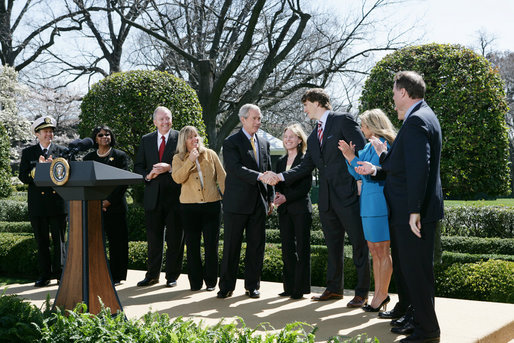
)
(373, 205)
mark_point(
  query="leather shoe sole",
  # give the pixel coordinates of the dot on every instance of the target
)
(171, 283)
(223, 295)
(42, 283)
(327, 295)
(407, 329)
(147, 282)
(390, 314)
(357, 302)
(254, 294)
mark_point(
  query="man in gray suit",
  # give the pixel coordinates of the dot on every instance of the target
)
(161, 199)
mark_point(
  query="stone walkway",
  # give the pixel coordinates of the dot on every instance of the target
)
(461, 321)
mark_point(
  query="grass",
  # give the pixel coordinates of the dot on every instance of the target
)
(498, 202)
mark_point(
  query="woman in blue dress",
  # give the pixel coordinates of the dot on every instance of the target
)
(373, 205)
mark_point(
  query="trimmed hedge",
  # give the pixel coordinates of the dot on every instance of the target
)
(18, 257)
(476, 245)
(478, 221)
(15, 227)
(490, 280)
(13, 211)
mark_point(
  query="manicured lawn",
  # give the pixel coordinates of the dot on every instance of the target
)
(498, 202)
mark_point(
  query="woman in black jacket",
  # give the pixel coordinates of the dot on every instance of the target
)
(295, 216)
(114, 207)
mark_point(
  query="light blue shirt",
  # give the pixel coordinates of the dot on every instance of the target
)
(409, 111)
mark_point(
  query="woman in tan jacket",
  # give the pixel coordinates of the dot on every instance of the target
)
(199, 171)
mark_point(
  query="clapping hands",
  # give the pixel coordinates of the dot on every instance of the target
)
(270, 178)
(348, 150)
(378, 145)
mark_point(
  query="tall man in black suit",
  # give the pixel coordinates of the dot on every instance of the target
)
(161, 199)
(414, 197)
(46, 208)
(338, 201)
(246, 202)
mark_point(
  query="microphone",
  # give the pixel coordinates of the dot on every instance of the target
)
(76, 146)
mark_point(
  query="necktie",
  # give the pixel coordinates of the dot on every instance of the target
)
(320, 132)
(161, 148)
(252, 142)
(45, 153)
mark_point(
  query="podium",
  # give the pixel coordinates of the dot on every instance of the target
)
(86, 276)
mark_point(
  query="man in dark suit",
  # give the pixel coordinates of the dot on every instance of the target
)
(46, 208)
(246, 202)
(338, 201)
(414, 197)
(161, 199)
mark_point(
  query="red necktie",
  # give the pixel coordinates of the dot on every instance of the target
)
(161, 148)
(320, 132)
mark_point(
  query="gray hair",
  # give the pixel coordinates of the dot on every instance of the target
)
(243, 111)
(161, 109)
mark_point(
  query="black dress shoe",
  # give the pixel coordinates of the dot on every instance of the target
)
(224, 294)
(393, 314)
(402, 320)
(172, 283)
(147, 282)
(415, 338)
(296, 296)
(284, 294)
(253, 293)
(42, 283)
(210, 288)
(407, 329)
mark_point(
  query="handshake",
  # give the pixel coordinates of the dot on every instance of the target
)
(270, 178)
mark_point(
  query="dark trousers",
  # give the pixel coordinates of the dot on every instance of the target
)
(116, 231)
(296, 251)
(416, 264)
(234, 226)
(335, 222)
(43, 226)
(198, 220)
(156, 221)
(399, 279)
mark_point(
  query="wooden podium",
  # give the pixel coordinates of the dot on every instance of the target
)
(86, 276)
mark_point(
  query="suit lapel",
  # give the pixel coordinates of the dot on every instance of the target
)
(326, 131)
(247, 146)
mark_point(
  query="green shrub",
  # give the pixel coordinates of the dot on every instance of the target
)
(5, 167)
(19, 320)
(80, 326)
(13, 211)
(458, 257)
(468, 96)
(126, 101)
(476, 245)
(478, 221)
(136, 222)
(485, 281)
(18, 255)
(15, 227)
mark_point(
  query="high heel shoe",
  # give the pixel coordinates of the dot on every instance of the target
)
(369, 308)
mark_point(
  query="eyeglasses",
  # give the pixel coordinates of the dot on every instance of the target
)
(100, 135)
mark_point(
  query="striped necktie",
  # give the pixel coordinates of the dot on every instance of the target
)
(320, 132)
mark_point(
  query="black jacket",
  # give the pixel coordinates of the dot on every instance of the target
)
(42, 201)
(118, 159)
(242, 189)
(162, 188)
(296, 193)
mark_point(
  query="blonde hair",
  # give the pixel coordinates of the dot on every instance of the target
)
(379, 124)
(298, 131)
(183, 135)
